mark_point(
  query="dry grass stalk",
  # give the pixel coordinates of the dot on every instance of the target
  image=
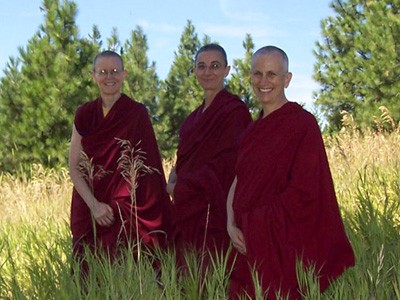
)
(204, 252)
(38, 195)
(87, 171)
(353, 150)
(132, 166)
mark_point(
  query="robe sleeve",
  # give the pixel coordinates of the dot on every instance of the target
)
(205, 186)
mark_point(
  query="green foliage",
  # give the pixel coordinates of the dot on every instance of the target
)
(358, 63)
(51, 82)
(43, 87)
(179, 94)
(142, 82)
(240, 81)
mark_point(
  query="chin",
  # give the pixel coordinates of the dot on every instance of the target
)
(264, 98)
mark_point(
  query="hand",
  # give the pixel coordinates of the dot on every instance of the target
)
(237, 238)
(103, 214)
(170, 190)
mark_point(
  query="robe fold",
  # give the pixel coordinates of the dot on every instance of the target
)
(205, 170)
(285, 204)
(141, 219)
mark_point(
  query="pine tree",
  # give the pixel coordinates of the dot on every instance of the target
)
(240, 80)
(52, 78)
(180, 92)
(358, 63)
(142, 82)
(114, 44)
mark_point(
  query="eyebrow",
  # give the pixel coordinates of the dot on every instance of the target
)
(213, 62)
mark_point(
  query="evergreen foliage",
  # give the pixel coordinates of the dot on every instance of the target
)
(358, 63)
(43, 86)
(142, 82)
(38, 99)
(179, 94)
(240, 80)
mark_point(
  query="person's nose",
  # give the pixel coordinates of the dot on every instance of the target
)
(208, 70)
(109, 75)
(264, 79)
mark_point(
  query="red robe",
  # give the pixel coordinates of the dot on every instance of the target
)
(127, 120)
(285, 204)
(205, 170)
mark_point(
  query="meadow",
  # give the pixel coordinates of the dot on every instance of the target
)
(35, 241)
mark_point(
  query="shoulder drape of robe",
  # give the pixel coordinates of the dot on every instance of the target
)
(127, 120)
(205, 169)
(285, 202)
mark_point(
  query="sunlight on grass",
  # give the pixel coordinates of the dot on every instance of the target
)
(35, 241)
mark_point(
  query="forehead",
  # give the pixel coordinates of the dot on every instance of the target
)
(268, 61)
(108, 61)
(209, 55)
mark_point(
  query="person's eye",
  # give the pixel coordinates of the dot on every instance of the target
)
(114, 72)
(215, 66)
(201, 67)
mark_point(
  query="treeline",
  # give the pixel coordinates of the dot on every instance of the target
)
(358, 68)
(42, 87)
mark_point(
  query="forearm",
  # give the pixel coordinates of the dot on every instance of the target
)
(76, 177)
(82, 188)
(171, 183)
(234, 232)
(229, 203)
(172, 176)
(102, 212)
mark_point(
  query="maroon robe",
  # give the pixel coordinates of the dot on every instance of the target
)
(205, 170)
(127, 120)
(285, 204)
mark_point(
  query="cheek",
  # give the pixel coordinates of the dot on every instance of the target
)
(254, 82)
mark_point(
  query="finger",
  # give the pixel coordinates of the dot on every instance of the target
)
(100, 222)
(111, 219)
(237, 244)
(241, 250)
(109, 209)
(240, 238)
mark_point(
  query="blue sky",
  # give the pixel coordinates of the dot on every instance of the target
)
(292, 25)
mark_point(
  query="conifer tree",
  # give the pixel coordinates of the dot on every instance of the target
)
(52, 79)
(142, 82)
(114, 44)
(358, 64)
(240, 80)
(180, 92)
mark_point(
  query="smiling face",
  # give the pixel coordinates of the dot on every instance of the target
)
(109, 75)
(211, 70)
(270, 77)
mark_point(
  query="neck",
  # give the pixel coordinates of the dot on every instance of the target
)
(268, 109)
(209, 96)
(109, 100)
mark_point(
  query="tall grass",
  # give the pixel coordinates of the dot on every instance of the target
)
(35, 241)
